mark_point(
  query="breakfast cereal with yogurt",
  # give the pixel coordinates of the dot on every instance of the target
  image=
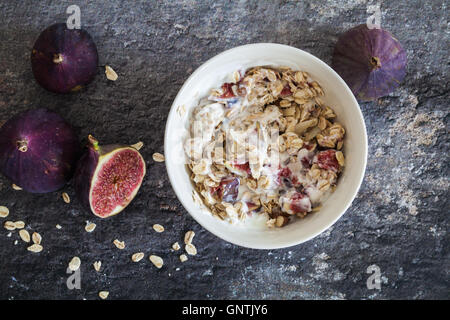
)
(265, 144)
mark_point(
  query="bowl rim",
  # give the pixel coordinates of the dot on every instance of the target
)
(285, 244)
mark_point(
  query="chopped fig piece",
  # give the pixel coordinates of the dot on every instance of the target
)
(228, 189)
(241, 91)
(251, 206)
(108, 177)
(327, 160)
(244, 167)
(227, 91)
(308, 146)
(300, 202)
(284, 173)
(286, 91)
(306, 162)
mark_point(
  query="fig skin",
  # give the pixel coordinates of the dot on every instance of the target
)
(38, 151)
(64, 60)
(89, 164)
(371, 61)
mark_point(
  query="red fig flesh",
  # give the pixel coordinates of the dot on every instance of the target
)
(64, 60)
(38, 151)
(108, 178)
(371, 61)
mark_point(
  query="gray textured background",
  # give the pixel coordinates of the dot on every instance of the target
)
(399, 220)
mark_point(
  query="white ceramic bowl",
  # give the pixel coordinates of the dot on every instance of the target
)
(337, 95)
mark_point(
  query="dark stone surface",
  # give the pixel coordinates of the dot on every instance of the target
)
(399, 220)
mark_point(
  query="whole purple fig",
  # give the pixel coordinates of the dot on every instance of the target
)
(371, 61)
(108, 178)
(38, 151)
(64, 60)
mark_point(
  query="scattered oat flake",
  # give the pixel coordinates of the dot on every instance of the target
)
(74, 264)
(24, 235)
(16, 187)
(137, 256)
(66, 197)
(103, 294)
(157, 261)
(196, 198)
(119, 244)
(58, 226)
(176, 246)
(97, 265)
(35, 248)
(191, 249)
(158, 157)
(183, 258)
(4, 212)
(90, 226)
(158, 228)
(110, 73)
(36, 237)
(19, 224)
(9, 225)
(181, 110)
(188, 237)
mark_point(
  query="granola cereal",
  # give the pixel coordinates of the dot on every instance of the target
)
(158, 228)
(4, 212)
(157, 261)
(66, 197)
(19, 224)
(137, 256)
(35, 248)
(9, 225)
(36, 237)
(119, 244)
(16, 187)
(24, 235)
(97, 265)
(90, 226)
(158, 157)
(264, 146)
(110, 73)
(74, 264)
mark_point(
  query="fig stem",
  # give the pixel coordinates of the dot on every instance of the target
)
(138, 145)
(93, 142)
(57, 58)
(375, 63)
(22, 145)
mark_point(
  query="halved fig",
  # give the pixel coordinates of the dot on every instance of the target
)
(38, 150)
(108, 178)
